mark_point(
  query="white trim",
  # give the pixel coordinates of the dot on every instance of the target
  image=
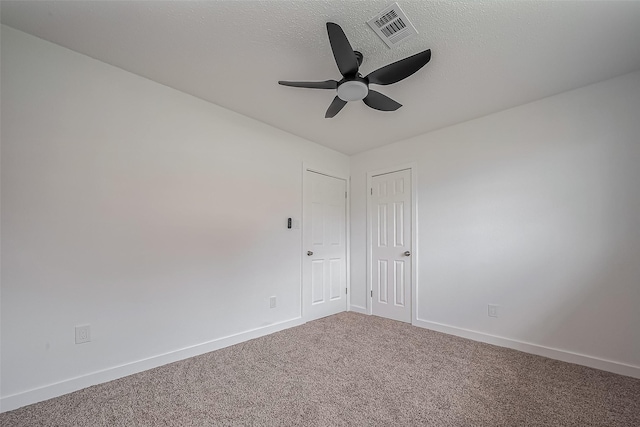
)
(14, 401)
(302, 188)
(413, 168)
(358, 309)
(324, 171)
(552, 353)
(414, 243)
(306, 167)
(369, 260)
(347, 220)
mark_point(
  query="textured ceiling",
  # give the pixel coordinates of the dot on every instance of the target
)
(487, 55)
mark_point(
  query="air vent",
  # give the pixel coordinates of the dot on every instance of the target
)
(392, 25)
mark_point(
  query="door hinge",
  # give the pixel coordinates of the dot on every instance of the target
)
(346, 291)
(371, 294)
(372, 191)
(345, 194)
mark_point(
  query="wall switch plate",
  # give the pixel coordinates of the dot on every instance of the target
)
(492, 310)
(83, 334)
(272, 302)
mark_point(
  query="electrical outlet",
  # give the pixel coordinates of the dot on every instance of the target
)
(272, 302)
(83, 334)
(492, 310)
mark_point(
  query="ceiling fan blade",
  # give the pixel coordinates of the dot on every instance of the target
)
(399, 70)
(327, 84)
(342, 51)
(335, 107)
(381, 102)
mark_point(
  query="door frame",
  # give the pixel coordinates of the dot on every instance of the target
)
(306, 167)
(413, 166)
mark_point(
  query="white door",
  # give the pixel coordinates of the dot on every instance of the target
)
(324, 244)
(390, 221)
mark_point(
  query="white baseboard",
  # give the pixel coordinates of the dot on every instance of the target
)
(15, 401)
(50, 391)
(551, 353)
(358, 309)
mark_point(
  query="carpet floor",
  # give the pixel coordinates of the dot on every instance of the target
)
(351, 370)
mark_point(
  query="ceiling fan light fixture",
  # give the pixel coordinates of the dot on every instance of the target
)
(353, 90)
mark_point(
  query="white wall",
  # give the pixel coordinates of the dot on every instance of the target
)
(155, 217)
(536, 209)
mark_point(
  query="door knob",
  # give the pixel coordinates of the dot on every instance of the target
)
(407, 253)
(309, 253)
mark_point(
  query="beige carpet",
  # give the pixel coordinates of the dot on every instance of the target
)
(356, 370)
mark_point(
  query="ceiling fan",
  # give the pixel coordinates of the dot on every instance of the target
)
(354, 87)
